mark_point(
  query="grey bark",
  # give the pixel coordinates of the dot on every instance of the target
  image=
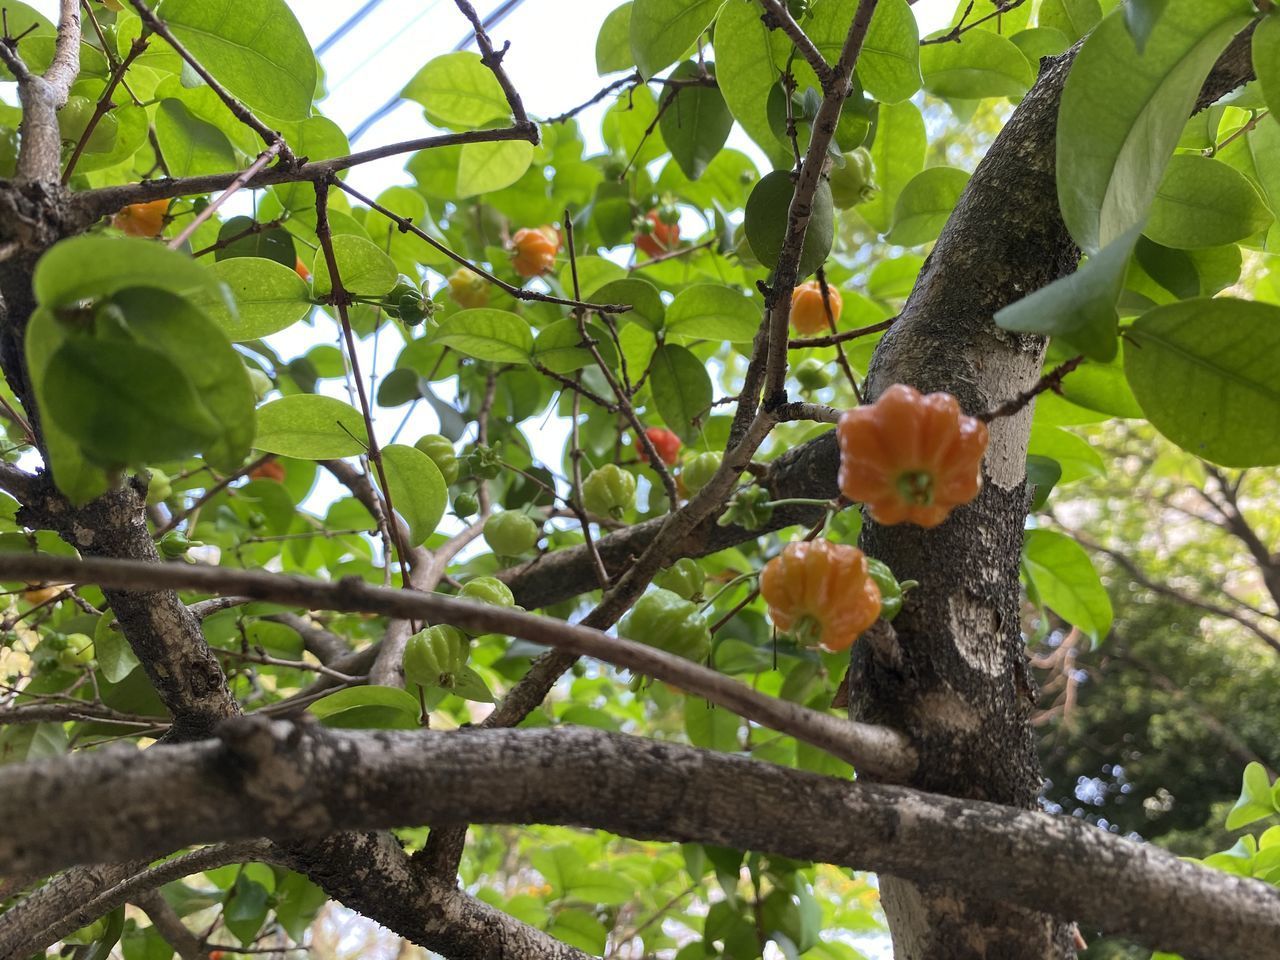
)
(299, 781)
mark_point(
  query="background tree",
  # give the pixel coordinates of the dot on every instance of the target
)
(178, 378)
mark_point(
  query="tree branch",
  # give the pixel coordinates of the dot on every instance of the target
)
(296, 780)
(40, 153)
(869, 748)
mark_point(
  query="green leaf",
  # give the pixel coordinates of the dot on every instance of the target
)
(1141, 17)
(1074, 18)
(32, 741)
(1063, 575)
(273, 244)
(458, 91)
(630, 127)
(368, 708)
(647, 308)
(469, 685)
(26, 22)
(189, 145)
(1043, 473)
(270, 297)
(711, 727)
(298, 900)
(662, 30)
(246, 909)
(196, 344)
(747, 58)
(1256, 801)
(925, 204)
(889, 65)
(713, 311)
(1105, 191)
(983, 64)
(1266, 61)
(115, 657)
(418, 491)
(1203, 372)
(498, 336)
(256, 49)
(558, 346)
(765, 222)
(681, 389)
(1098, 386)
(898, 154)
(696, 123)
(1080, 308)
(1202, 202)
(125, 403)
(489, 167)
(310, 427)
(1075, 457)
(613, 44)
(94, 266)
(365, 270)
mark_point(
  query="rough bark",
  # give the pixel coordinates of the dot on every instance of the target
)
(303, 780)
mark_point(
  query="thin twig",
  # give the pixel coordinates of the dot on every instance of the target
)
(1050, 381)
(263, 159)
(104, 104)
(803, 343)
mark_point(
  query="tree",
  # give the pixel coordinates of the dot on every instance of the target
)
(288, 673)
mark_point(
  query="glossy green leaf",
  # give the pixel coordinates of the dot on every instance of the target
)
(1141, 17)
(310, 427)
(983, 64)
(1080, 308)
(681, 390)
(1097, 386)
(256, 49)
(1073, 454)
(898, 154)
(418, 491)
(559, 348)
(459, 91)
(1064, 577)
(195, 343)
(765, 221)
(1043, 473)
(97, 265)
(489, 167)
(1266, 61)
(925, 204)
(696, 123)
(189, 145)
(115, 657)
(630, 127)
(613, 43)
(712, 311)
(1255, 801)
(711, 727)
(363, 268)
(1202, 202)
(1074, 18)
(647, 308)
(269, 297)
(747, 58)
(662, 30)
(889, 65)
(1105, 191)
(125, 403)
(368, 707)
(494, 335)
(1203, 372)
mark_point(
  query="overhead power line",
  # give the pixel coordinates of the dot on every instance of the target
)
(351, 23)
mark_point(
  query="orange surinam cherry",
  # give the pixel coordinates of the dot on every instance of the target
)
(911, 458)
(821, 591)
(142, 219)
(658, 232)
(536, 250)
(808, 313)
(300, 268)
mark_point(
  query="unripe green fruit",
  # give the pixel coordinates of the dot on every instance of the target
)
(488, 590)
(74, 118)
(435, 656)
(511, 533)
(812, 374)
(260, 382)
(440, 450)
(174, 545)
(466, 505)
(77, 652)
(159, 489)
(685, 578)
(698, 472)
(609, 491)
(853, 183)
(667, 621)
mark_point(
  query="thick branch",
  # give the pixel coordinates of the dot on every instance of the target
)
(871, 749)
(307, 780)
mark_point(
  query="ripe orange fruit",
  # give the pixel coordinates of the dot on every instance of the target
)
(36, 594)
(469, 290)
(666, 443)
(821, 592)
(301, 270)
(808, 313)
(271, 470)
(911, 458)
(535, 250)
(142, 219)
(662, 238)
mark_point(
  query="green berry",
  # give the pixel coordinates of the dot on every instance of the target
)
(435, 656)
(667, 621)
(440, 450)
(609, 491)
(685, 578)
(466, 505)
(812, 374)
(488, 590)
(699, 471)
(159, 489)
(511, 533)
